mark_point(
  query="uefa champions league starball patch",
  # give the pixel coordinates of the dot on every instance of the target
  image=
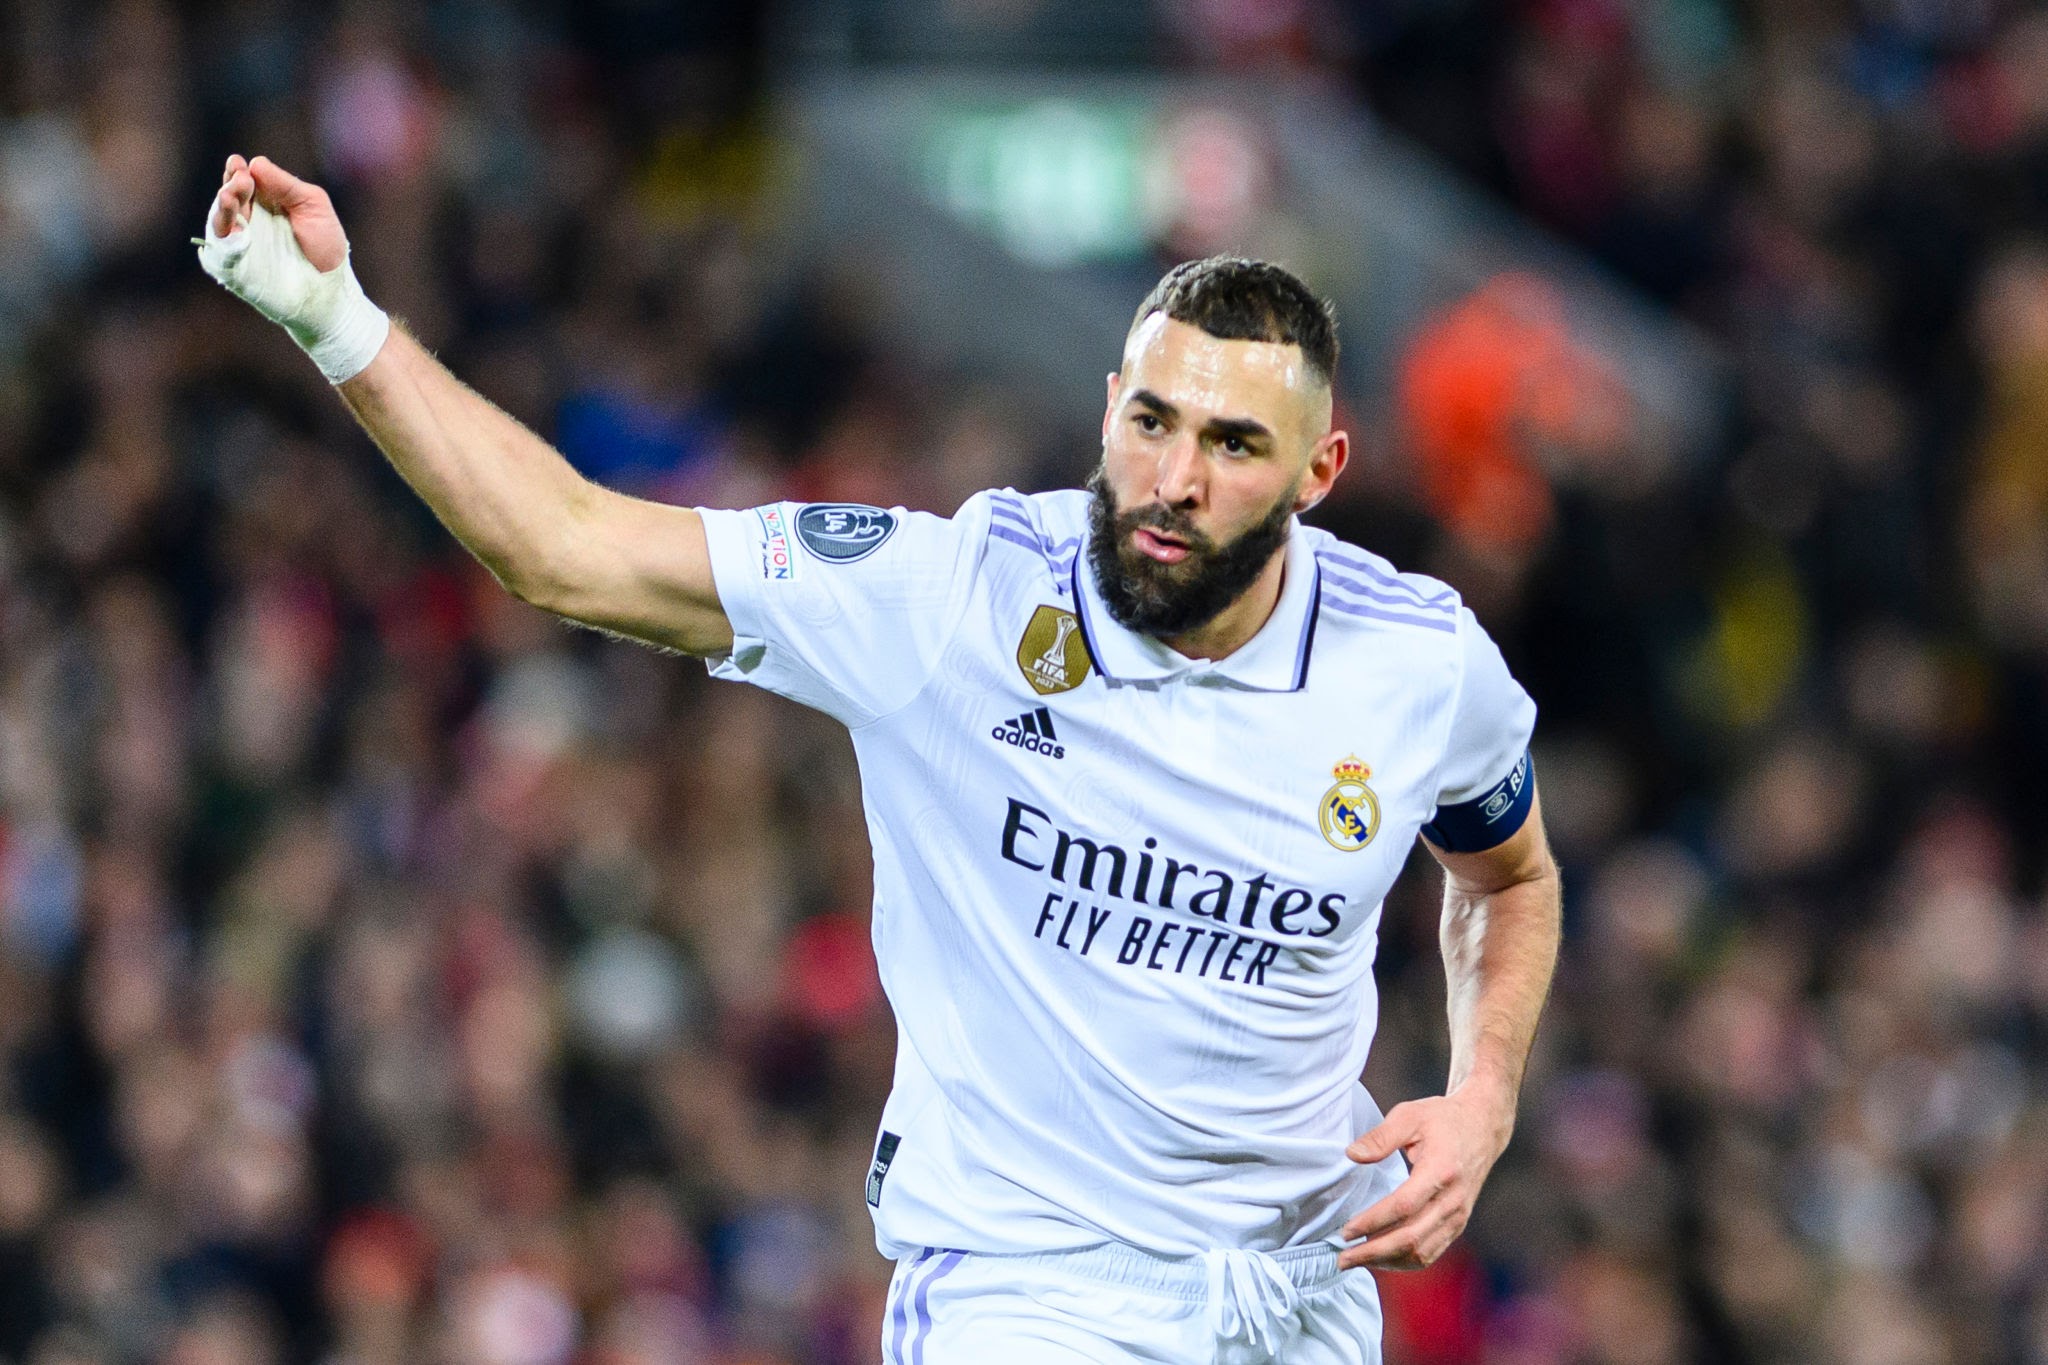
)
(1350, 813)
(841, 532)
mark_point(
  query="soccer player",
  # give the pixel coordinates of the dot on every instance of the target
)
(1140, 763)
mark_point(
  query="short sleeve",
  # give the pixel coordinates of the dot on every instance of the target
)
(843, 607)
(1485, 785)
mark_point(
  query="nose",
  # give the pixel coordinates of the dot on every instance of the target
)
(1181, 474)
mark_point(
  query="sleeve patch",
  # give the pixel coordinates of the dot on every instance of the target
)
(841, 532)
(1487, 820)
(778, 557)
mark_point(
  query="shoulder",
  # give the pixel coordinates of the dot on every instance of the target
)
(1033, 534)
(1362, 590)
(872, 539)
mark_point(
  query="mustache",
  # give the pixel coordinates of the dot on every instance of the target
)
(1175, 521)
(1171, 599)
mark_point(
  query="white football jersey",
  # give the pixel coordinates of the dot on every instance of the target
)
(1126, 902)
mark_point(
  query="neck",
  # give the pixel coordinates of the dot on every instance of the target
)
(1231, 628)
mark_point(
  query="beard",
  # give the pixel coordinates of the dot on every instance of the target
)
(1169, 600)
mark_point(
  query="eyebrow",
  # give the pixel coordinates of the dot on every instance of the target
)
(1217, 428)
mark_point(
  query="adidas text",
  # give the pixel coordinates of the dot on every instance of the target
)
(1032, 732)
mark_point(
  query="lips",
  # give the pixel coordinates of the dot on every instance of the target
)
(1155, 545)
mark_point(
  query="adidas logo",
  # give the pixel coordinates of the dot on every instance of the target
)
(1033, 731)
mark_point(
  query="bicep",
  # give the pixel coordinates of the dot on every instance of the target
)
(1523, 856)
(640, 569)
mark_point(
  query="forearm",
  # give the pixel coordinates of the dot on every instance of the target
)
(1500, 932)
(507, 495)
(1500, 949)
(634, 568)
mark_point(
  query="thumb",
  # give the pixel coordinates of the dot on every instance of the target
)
(1394, 1132)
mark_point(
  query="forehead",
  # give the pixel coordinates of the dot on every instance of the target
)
(1193, 370)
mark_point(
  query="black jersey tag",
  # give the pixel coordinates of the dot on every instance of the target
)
(885, 1152)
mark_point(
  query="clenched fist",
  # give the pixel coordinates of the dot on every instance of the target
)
(274, 241)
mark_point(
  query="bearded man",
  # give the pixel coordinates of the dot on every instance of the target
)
(1140, 764)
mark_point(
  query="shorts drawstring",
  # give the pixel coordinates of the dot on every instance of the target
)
(1249, 1293)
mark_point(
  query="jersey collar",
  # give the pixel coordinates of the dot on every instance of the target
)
(1274, 660)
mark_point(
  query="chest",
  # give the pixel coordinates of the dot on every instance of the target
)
(1288, 813)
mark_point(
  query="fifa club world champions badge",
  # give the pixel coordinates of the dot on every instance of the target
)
(1053, 652)
(1350, 813)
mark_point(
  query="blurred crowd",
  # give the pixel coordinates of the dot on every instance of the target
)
(389, 973)
(1789, 1105)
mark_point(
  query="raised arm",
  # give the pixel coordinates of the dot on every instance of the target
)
(551, 536)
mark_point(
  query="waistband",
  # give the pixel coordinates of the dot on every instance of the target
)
(1309, 1269)
(1248, 1293)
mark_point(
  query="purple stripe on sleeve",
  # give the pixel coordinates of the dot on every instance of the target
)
(1011, 515)
(1343, 608)
(947, 1264)
(1005, 533)
(1353, 586)
(1385, 579)
(1388, 580)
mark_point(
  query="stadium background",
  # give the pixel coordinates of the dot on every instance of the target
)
(390, 974)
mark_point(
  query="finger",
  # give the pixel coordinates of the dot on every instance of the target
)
(234, 163)
(1430, 1236)
(1395, 1131)
(1374, 1257)
(1386, 1253)
(1410, 1198)
(1431, 1246)
(231, 205)
(1396, 1209)
(277, 188)
(1409, 1247)
(224, 220)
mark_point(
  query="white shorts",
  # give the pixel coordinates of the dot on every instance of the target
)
(1112, 1304)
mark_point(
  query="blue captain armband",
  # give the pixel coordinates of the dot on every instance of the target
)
(1489, 819)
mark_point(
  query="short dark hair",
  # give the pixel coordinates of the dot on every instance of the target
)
(1239, 299)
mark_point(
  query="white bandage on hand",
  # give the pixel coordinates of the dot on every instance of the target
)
(326, 312)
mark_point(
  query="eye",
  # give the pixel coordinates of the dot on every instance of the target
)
(1149, 423)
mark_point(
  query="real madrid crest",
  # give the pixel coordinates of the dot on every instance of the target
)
(1053, 652)
(1350, 813)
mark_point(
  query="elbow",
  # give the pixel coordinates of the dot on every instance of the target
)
(543, 570)
(550, 592)
(536, 578)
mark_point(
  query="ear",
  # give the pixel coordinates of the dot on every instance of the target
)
(1115, 383)
(1325, 462)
